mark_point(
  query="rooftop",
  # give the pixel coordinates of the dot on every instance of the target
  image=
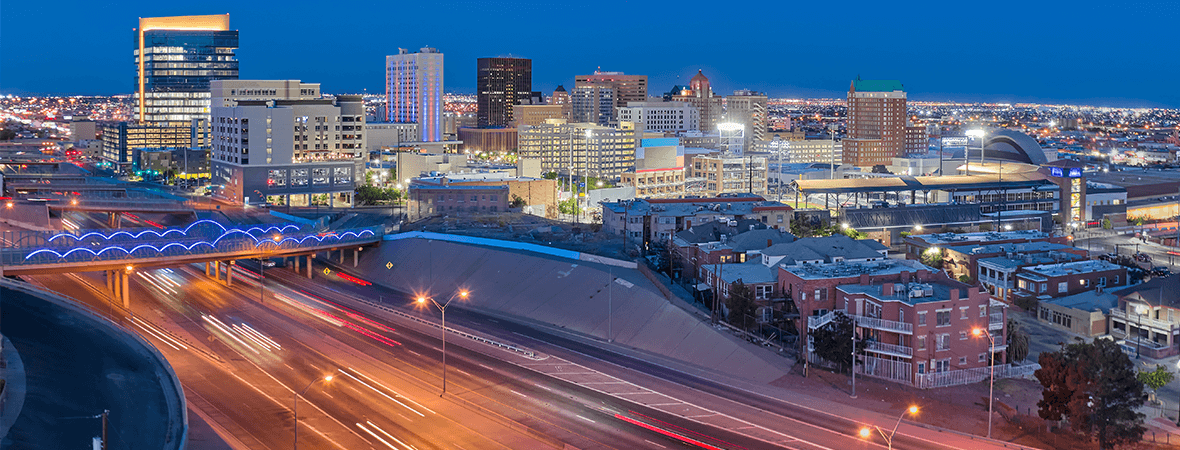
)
(1086, 266)
(1014, 262)
(1088, 301)
(1027, 247)
(910, 293)
(1158, 291)
(720, 206)
(749, 272)
(845, 269)
(859, 85)
(825, 248)
(983, 236)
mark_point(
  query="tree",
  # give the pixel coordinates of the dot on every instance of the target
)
(368, 178)
(568, 206)
(932, 257)
(1157, 378)
(741, 302)
(1106, 224)
(549, 175)
(965, 279)
(1017, 341)
(517, 202)
(1095, 386)
(833, 341)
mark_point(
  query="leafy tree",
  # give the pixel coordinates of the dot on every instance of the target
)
(966, 279)
(1137, 220)
(1095, 386)
(368, 178)
(852, 233)
(549, 175)
(932, 257)
(517, 202)
(1157, 378)
(369, 195)
(833, 341)
(741, 302)
(1017, 340)
(1106, 224)
(568, 206)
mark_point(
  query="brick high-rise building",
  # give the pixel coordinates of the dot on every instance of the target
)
(700, 95)
(876, 122)
(624, 90)
(561, 97)
(501, 83)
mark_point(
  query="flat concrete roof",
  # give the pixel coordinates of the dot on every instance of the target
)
(1087, 266)
(937, 183)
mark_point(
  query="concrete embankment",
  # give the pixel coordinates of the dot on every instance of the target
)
(571, 294)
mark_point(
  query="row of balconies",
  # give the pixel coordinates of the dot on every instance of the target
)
(1142, 319)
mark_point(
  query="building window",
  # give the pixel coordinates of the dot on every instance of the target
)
(963, 312)
(944, 317)
(1062, 287)
(982, 357)
(921, 342)
(962, 360)
(921, 318)
(944, 342)
(921, 367)
(1044, 287)
(942, 366)
(982, 310)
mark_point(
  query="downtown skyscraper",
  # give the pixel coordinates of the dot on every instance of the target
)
(414, 90)
(176, 58)
(876, 122)
(501, 83)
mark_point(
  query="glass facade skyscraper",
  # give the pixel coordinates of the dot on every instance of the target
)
(414, 89)
(176, 58)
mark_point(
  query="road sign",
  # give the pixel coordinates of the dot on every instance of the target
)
(389, 265)
(327, 272)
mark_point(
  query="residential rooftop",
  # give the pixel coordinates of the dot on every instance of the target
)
(749, 272)
(984, 236)
(910, 293)
(1090, 300)
(1038, 259)
(1012, 247)
(742, 204)
(1070, 268)
(844, 269)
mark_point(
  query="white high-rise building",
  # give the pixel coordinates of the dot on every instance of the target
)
(414, 90)
(662, 116)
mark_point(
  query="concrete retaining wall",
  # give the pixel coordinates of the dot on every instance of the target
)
(565, 292)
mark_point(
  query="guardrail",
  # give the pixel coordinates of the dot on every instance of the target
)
(523, 352)
(883, 324)
(38, 248)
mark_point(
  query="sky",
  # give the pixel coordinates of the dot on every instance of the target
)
(1081, 52)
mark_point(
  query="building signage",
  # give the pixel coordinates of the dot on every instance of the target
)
(1059, 172)
(954, 141)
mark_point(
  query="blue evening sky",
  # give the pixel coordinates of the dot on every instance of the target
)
(1081, 52)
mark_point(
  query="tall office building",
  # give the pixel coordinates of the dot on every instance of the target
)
(583, 149)
(876, 122)
(414, 90)
(176, 58)
(593, 103)
(624, 89)
(662, 117)
(561, 97)
(749, 109)
(501, 83)
(700, 95)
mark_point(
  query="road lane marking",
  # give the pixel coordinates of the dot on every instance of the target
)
(517, 393)
(395, 393)
(411, 447)
(414, 352)
(653, 443)
(358, 380)
(588, 420)
(383, 441)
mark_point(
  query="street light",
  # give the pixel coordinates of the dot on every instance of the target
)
(295, 403)
(991, 384)
(1140, 310)
(443, 308)
(865, 432)
(978, 134)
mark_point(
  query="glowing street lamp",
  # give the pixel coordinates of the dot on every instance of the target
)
(978, 332)
(295, 403)
(443, 308)
(865, 432)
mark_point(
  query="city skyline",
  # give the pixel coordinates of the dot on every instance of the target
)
(1053, 61)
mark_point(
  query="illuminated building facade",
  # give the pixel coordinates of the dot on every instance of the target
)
(593, 104)
(876, 122)
(414, 89)
(561, 97)
(615, 88)
(298, 150)
(176, 58)
(749, 109)
(501, 83)
(596, 151)
(700, 95)
(666, 117)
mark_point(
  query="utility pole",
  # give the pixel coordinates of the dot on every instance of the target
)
(105, 416)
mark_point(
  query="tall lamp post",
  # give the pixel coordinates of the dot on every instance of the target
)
(991, 384)
(443, 308)
(295, 403)
(865, 432)
(1140, 310)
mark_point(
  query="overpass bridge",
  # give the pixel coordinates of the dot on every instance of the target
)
(119, 252)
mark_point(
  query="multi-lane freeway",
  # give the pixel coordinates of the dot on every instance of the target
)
(243, 352)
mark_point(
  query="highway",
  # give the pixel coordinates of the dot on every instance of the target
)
(241, 362)
(386, 383)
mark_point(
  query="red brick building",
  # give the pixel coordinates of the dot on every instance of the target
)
(918, 322)
(876, 122)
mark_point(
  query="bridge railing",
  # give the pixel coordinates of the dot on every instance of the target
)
(207, 229)
(148, 245)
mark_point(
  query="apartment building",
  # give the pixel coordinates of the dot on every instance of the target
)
(662, 117)
(996, 272)
(876, 122)
(581, 149)
(1060, 280)
(1150, 311)
(918, 323)
(647, 220)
